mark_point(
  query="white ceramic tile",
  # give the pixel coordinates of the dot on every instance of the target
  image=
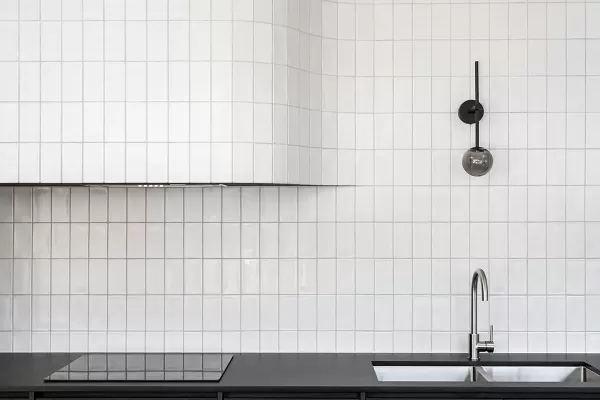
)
(576, 313)
(575, 240)
(591, 13)
(117, 273)
(98, 277)
(575, 277)
(41, 313)
(136, 277)
(98, 312)
(575, 342)
(592, 233)
(556, 274)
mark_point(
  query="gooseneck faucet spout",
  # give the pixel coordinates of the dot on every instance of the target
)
(475, 346)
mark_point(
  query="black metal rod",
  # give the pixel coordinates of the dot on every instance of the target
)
(477, 81)
(477, 100)
(477, 135)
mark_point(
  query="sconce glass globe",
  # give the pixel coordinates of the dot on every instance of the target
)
(477, 161)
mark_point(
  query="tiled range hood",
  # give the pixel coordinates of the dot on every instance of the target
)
(207, 95)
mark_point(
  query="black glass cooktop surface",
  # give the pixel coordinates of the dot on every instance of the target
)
(172, 367)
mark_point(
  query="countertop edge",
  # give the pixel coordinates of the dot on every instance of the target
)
(181, 391)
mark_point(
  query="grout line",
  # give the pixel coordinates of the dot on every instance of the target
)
(145, 269)
(585, 181)
(62, 113)
(301, 108)
(231, 110)
(277, 194)
(342, 185)
(18, 178)
(451, 220)
(393, 121)
(107, 210)
(70, 223)
(393, 194)
(464, 3)
(168, 99)
(546, 191)
(272, 91)
(127, 295)
(51, 267)
(82, 164)
(104, 160)
(146, 119)
(40, 124)
(527, 194)
(565, 195)
(189, 105)
(240, 266)
(298, 291)
(221, 190)
(489, 181)
(341, 258)
(508, 153)
(87, 262)
(210, 62)
(32, 270)
(297, 194)
(12, 268)
(164, 257)
(186, 295)
(412, 179)
(431, 180)
(260, 270)
(371, 222)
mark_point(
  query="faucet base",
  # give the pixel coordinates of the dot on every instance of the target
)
(476, 347)
(473, 343)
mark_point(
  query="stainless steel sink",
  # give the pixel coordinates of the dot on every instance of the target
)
(538, 374)
(423, 373)
(502, 373)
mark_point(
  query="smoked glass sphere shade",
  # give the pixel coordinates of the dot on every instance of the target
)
(477, 161)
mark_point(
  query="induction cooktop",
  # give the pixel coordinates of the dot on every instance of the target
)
(135, 367)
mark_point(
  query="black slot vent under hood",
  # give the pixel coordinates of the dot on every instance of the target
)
(162, 185)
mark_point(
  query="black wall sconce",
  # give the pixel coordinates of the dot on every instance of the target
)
(476, 161)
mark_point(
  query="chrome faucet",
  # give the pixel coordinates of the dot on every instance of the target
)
(475, 346)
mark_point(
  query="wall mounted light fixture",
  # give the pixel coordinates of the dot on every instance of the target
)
(476, 161)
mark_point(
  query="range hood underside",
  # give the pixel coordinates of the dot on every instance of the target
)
(158, 185)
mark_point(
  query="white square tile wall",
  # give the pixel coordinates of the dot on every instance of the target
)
(381, 264)
(178, 91)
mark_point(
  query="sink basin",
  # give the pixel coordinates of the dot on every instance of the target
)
(422, 373)
(538, 374)
(485, 373)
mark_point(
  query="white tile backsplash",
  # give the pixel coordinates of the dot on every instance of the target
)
(279, 91)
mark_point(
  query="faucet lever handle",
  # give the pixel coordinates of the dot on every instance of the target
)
(491, 333)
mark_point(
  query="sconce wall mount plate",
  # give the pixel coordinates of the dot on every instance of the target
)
(471, 112)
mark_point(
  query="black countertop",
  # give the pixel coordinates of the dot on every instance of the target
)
(254, 373)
